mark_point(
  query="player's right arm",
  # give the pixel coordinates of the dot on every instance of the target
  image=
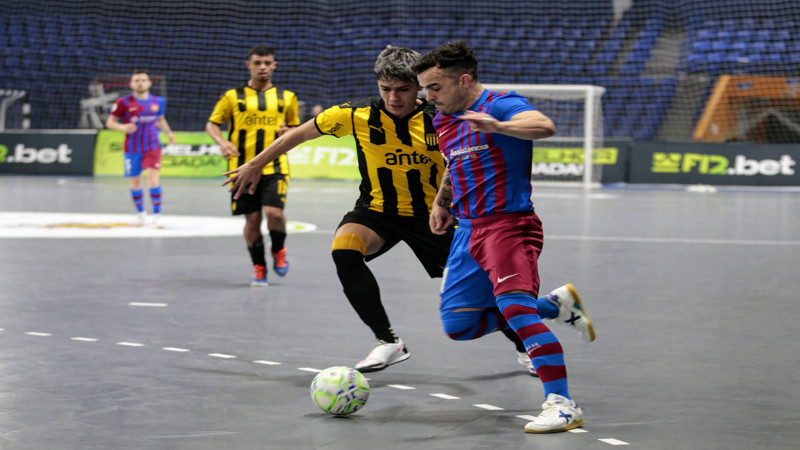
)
(113, 121)
(441, 218)
(226, 147)
(245, 177)
(222, 113)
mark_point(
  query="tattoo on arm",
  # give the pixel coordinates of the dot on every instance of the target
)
(445, 197)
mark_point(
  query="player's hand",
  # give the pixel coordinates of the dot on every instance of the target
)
(242, 179)
(480, 122)
(129, 128)
(228, 150)
(440, 219)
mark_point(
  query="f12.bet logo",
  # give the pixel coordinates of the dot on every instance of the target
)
(709, 164)
(29, 155)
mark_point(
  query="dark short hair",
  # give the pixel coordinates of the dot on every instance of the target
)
(394, 63)
(457, 58)
(261, 50)
(138, 71)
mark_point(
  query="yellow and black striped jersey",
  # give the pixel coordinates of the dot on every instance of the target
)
(255, 118)
(399, 159)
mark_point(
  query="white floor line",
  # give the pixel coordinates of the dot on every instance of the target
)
(488, 406)
(613, 441)
(268, 363)
(400, 386)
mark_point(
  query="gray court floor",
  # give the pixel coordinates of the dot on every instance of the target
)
(694, 296)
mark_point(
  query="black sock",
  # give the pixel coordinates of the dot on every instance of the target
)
(514, 337)
(278, 239)
(257, 252)
(361, 289)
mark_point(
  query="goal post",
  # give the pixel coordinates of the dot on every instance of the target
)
(577, 110)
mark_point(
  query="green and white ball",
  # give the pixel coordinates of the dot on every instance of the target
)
(340, 390)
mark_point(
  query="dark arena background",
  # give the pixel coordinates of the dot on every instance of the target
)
(683, 242)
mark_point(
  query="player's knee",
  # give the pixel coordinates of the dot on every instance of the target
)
(349, 241)
(348, 252)
(459, 326)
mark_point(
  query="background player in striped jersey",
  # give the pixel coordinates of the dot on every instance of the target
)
(401, 168)
(487, 138)
(258, 112)
(140, 115)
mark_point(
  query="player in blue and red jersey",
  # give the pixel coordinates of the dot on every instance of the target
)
(140, 116)
(486, 138)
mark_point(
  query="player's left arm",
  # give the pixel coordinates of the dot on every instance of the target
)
(526, 125)
(163, 125)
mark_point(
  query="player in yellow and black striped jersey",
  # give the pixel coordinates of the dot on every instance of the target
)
(257, 113)
(398, 157)
(400, 167)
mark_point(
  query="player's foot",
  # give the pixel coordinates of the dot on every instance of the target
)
(281, 264)
(558, 414)
(524, 360)
(571, 311)
(259, 276)
(157, 222)
(383, 355)
(140, 220)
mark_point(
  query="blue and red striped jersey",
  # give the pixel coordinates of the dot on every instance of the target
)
(490, 173)
(145, 114)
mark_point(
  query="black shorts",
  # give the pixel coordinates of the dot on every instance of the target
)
(431, 249)
(271, 191)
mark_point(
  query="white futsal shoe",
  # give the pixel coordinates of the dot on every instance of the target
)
(140, 220)
(571, 311)
(384, 355)
(558, 414)
(524, 360)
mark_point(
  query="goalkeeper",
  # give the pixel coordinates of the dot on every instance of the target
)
(397, 192)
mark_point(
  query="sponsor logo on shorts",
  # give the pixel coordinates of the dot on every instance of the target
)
(501, 279)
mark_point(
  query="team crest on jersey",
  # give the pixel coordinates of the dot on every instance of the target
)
(431, 139)
(154, 108)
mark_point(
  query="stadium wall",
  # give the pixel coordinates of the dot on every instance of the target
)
(87, 152)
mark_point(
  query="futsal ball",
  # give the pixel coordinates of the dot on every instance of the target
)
(340, 390)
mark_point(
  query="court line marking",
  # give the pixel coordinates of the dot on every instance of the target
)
(613, 441)
(673, 240)
(176, 349)
(446, 396)
(486, 406)
(153, 305)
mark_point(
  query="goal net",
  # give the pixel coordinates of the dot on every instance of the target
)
(573, 155)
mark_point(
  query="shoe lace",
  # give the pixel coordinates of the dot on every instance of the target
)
(550, 410)
(280, 257)
(260, 271)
